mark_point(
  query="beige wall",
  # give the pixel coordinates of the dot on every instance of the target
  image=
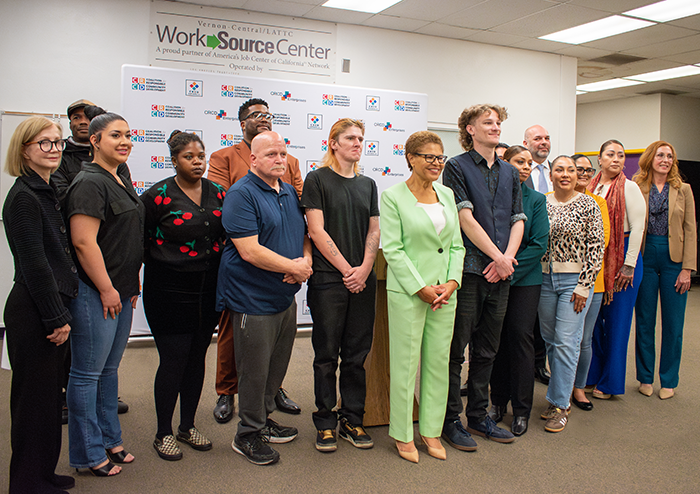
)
(680, 125)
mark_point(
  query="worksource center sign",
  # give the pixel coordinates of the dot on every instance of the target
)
(238, 42)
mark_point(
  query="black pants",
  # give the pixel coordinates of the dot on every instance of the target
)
(481, 307)
(35, 396)
(179, 307)
(343, 327)
(512, 378)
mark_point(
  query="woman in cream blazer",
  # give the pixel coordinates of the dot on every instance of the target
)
(423, 247)
(670, 255)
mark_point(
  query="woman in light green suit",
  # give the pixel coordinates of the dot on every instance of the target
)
(423, 247)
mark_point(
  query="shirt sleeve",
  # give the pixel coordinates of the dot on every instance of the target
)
(690, 234)
(595, 247)
(516, 213)
(311, 196)
(24, 226)
(240, 217)
(453, 178)
(636, 218)
(87, 196)
(374, 202)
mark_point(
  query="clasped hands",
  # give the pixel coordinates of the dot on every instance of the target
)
(437, 295)
(500, 269)
(301, 271)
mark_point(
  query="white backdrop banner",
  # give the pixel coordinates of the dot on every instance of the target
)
(238, 42)
(155, 101)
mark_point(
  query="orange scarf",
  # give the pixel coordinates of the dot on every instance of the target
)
(615, 253)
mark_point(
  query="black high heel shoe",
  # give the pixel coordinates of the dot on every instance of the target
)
(102, 471)
(119, 456)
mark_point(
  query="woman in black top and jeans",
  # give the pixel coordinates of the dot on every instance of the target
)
(106, 227)
(183, 248)
(36, 312)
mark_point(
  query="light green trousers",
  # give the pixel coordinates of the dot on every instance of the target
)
(416, 333)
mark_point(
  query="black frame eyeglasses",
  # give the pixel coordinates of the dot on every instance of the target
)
(259, 115)
(430, 158)
(587, 171)
(46, 146)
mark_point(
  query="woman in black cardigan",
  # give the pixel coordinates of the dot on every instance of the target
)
(36, 313)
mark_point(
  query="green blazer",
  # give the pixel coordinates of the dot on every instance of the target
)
(416, 255)
(528, 272)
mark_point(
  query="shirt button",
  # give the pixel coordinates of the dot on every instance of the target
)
(75, 293)
(206, 238)
(62, 229)
(440, 250)
(73, 269)
(206, 223)
(67, 249)
(208, 251)
(201, 210)
(57, 206)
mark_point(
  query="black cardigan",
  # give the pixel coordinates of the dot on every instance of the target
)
(39, 243)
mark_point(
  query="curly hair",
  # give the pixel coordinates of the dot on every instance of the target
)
(419, 139)
(472, 113)
(251, 102)
(179, 140)
(645, 175)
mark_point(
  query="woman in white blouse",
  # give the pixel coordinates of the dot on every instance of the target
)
(623, 272)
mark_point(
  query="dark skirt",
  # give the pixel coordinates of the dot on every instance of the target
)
(179, 302)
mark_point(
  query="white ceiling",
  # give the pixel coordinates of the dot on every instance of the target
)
(518, 24)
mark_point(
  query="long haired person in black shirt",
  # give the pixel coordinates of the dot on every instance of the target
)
(106, 228)
(36, 312)
(183, 243)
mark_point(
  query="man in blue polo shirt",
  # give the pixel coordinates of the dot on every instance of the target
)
(489, 201)
(261, 270)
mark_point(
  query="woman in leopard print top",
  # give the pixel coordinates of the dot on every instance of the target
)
(570, 265)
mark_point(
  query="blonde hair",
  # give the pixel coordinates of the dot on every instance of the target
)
(25, 132)
(338, 128)
(644, 175)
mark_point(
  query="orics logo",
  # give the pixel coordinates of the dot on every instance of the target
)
(287, 142)
(371, 148)
(194, 87)
(372, 103)
(219, 114)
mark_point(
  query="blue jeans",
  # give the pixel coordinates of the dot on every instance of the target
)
(97, 345)
(584, 358)
(562, 330)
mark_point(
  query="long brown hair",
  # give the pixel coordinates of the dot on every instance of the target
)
(645, 174)
(338, 128)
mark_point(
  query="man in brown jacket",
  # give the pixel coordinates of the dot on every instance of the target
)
(226, 166)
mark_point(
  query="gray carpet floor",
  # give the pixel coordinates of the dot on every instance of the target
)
(630, 443)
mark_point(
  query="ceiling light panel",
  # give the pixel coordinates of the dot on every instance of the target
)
(668, 10)
(602, 28)
(605, 85)
(369, 6)
(662, 75)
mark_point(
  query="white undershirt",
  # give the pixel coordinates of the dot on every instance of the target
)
(436, 215)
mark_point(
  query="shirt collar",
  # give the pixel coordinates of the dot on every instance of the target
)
(264, 185)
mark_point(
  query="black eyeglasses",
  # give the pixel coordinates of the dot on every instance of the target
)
(45, 145)
(585, 171)
(258, 115)
(430, 158)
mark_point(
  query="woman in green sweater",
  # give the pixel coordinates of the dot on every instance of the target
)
(512, 378)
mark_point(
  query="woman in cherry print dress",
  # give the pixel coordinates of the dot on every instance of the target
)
(183, 236)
